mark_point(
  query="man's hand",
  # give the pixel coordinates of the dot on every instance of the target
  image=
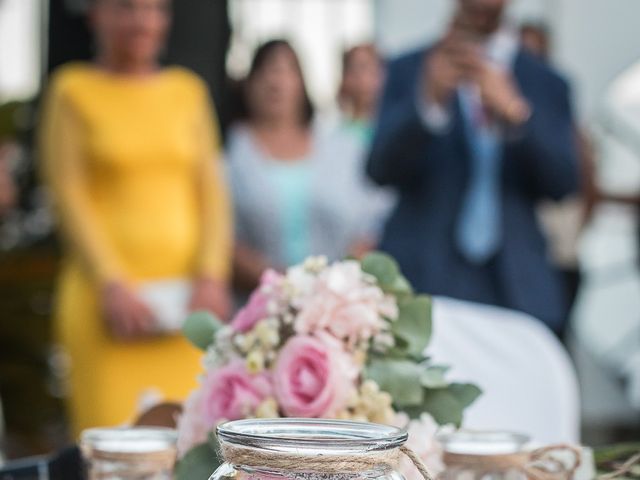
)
(500, 94)
(447, 65)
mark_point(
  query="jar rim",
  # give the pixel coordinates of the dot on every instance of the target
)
(129, 440)
(311, 434)
(482, 442)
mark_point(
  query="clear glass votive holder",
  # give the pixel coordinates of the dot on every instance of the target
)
(137, 453)
(484, 455)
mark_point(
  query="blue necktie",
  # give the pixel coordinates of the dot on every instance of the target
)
(479, 233)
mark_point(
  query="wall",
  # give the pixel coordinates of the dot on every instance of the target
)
(594, 39)
(19, 48)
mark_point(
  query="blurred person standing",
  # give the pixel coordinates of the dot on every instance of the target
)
(295, 193)
(358, 98)
(473, 132)
(130, 154)
(563, 221)
(360, 88)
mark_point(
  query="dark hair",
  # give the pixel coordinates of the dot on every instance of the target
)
(347, 55)
(262, 56)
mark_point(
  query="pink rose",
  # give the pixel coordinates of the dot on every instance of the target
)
(226, 393)
(312, 378)
(257, 307)
(232, 393)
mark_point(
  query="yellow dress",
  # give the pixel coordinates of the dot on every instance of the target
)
(133, 169)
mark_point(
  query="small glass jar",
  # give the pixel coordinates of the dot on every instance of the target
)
(483, 455)
(137, 453)
(308, 449)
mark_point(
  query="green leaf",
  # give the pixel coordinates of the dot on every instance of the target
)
(398, 377)
(441, 404)
(414, 323)
(446, 405)
(466, 393)
(399, 287)
(433, 377)
(199, 462)
(201, 328)
(383, 267)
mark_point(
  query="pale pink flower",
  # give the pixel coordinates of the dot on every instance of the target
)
(257, 307)
(422, 440)
(312, 378)
(301, 282)
(192, 431)
(343, 303)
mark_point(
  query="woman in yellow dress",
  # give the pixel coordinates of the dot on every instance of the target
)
(130, 155)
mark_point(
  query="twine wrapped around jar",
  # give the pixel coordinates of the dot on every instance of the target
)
(321, 463)
(540, 464)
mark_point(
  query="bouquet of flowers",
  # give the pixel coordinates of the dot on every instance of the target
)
(345, 340)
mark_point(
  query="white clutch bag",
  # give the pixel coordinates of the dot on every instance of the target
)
(169, 302)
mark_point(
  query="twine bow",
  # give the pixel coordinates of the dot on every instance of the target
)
(321, 463)
(540, 464)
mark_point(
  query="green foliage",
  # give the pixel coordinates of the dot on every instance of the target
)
(413, 325)
(403, 371)
(200, 328)
(382, 267)
(199, 462)
(465, 393)
(434, 377)
(400, 378)
(442, 405)
(446, 405)
(400, 287)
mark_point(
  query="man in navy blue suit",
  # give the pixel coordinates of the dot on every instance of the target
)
(473, 132)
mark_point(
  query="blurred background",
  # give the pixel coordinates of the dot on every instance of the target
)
(590, 41)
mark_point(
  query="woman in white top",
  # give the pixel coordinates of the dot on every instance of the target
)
(296, 192)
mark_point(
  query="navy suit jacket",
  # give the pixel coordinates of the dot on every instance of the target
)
(431, 172)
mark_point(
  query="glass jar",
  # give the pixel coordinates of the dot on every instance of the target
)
(478, 455)
(137, 453)
(308, 449)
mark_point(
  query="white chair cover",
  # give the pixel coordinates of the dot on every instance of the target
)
(528, 381)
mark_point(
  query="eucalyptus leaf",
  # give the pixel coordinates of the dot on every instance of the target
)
(200, 328)
(414, 323)
(434, 377)
(398, 377)
(466, 393)
(199, 462)
(441, 404)
(399, 287)
(383, 267)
